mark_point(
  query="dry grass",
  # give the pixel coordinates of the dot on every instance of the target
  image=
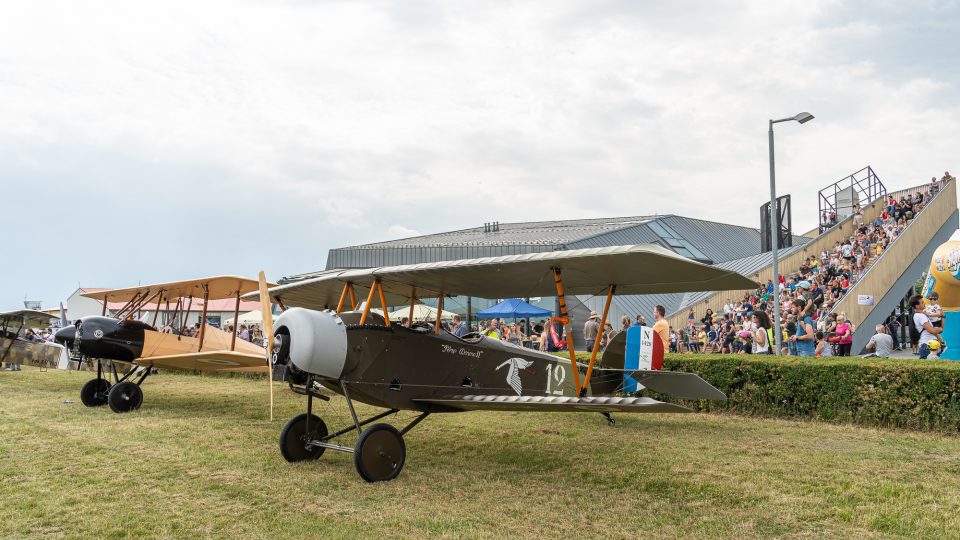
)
(200, 459)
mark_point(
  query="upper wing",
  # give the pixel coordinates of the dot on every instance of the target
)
(208, 361)
(324, 291)
(218, 288)
(554, 404)
(30, 318)
(640, 269)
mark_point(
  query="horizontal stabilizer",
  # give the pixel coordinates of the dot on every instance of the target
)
(554, 404)
(678, 384)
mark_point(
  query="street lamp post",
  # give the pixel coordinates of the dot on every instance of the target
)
(803, 118)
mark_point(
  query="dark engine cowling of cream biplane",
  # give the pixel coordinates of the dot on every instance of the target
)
(105, 337)
(311, 341)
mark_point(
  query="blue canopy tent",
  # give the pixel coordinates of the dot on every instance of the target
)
(513, 308)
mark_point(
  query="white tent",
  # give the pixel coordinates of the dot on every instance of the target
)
(250, 317)
(421, 312)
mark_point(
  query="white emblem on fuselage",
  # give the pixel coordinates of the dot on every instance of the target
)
(98, 333)
(513, 373)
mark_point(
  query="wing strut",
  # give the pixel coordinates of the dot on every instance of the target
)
(366, 307)
(123, 310)
(185, 318)
(596, 343)
(12, 340)
(383, 305)
(413, 300)
(203, 314)
(343, 298)
(236, 319)
(562, 300)
(155, 313)
(353, 297)
(436, 328)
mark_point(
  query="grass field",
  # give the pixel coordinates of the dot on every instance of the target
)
(201, 459)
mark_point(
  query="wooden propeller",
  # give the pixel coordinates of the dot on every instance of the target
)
(267, 312)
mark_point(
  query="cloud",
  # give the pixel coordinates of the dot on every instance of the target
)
(175, 139)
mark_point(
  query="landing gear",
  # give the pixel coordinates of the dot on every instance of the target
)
(94, 392)
(125, 397)
(610, 420)
(296, 436)
(379, 453)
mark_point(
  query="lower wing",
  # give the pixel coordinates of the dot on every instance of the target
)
(208, 361)
(554, 404)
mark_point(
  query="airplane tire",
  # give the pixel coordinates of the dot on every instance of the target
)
(94, 392)
(125, 397)
(380, 453)
(293, 438)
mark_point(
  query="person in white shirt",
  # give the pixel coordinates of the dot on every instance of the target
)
(921, 322)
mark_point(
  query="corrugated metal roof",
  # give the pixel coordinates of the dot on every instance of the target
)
(535, 232)
(720, 241)
(638, 233)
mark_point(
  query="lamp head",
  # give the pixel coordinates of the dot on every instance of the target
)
(803, 117)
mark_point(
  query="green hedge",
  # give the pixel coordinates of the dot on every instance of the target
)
(900, 393)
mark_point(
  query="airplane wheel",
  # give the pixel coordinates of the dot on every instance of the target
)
(380, 453)
(294, 437)
(94, 392)
(125, 397)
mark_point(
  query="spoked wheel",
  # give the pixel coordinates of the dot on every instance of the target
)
(125, 397)
(379, 453)
(94, 392)
(294, 438)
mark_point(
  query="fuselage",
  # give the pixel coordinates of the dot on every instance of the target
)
(137, 342)
(396, 367)
(105, 337)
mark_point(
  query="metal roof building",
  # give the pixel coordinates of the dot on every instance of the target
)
(729, 246)
(705, 241)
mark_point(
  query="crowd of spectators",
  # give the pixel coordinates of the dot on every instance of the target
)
(808, 294)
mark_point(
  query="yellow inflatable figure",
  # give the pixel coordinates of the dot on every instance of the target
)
(944, 279)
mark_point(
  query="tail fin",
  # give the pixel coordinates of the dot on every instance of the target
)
(636, 348)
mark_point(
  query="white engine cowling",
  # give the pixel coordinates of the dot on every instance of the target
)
(318, 340)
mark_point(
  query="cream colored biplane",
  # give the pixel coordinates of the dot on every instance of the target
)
(131, 335)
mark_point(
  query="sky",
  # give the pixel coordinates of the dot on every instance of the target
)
(153, 141)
